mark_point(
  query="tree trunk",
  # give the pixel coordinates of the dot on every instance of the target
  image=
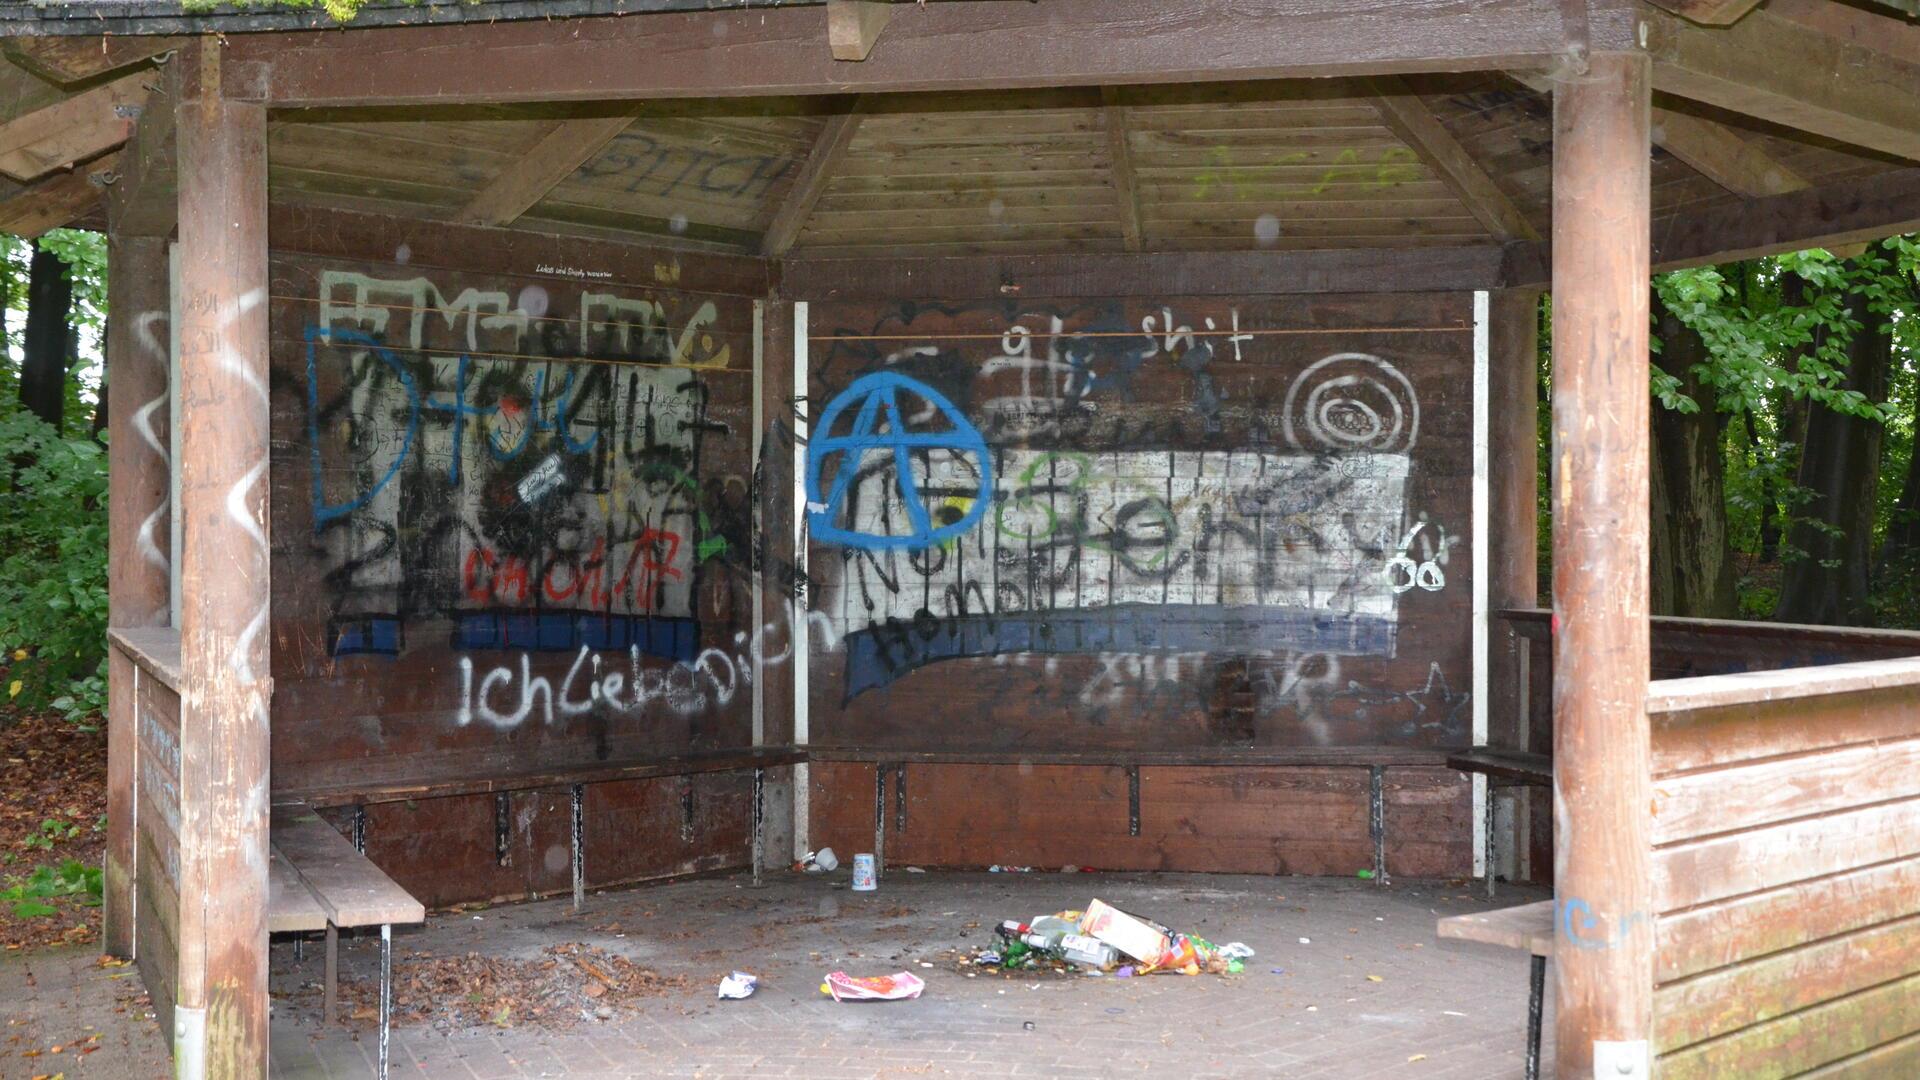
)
(1692, 571)
(43, 369)
(1769, 499)
(1840, 467)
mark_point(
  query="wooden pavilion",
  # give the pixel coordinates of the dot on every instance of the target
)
(570, 442)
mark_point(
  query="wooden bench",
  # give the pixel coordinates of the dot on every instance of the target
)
(1498, 764)
(1528, 927)
(344, 889)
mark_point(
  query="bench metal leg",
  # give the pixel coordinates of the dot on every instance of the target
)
(759, 821)
(1492, 864)
(1536, 1003)
(386, 992)
(299, 948)
(579, 850)
(329, 993)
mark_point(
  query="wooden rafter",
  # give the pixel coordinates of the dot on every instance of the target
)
(561, 149)
(853, 26)
(1709, 12)
(74, 129)
(1409, 118)
(811, 182)
(1120, 159)
(1854, 88)
(1722, 155)
(66, 60)
(57, 200)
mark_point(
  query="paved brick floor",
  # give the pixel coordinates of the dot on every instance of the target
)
(1438, 1010)
(98, 1016)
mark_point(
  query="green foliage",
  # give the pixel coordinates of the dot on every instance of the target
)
(341, 10)
(53, 565)
(71, 878)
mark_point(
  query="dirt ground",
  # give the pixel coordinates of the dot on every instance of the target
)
(53, 816)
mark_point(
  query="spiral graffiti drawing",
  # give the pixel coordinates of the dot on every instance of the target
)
(1352, 401)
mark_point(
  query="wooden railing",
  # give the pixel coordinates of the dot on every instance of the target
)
(1681, 649)
(1786, 871)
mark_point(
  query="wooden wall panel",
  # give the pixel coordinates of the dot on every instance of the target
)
(1212, 524)
(840, 807)
(1757, 924)
(1044, 816)
(1429, 823)
(512, 504)
(1258, 821)
(1223, 819)
(1787, 874)
(157, 864)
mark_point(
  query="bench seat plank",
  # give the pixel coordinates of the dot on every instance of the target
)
(350, 889)
(1515, 765)
(291, 907)
(1528, 927)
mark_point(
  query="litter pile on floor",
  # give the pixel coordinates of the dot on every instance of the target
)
(567, 984)
(1103, 939)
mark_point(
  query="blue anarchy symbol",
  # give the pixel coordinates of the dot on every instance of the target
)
(876, 400)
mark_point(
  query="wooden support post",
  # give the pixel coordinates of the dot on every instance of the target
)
(224, 571)
(138, 577)
(1602, 788)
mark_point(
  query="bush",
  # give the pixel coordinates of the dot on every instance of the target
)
(53, 566)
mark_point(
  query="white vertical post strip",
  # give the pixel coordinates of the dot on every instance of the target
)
(1482, 462)
(801, 600)
(759, 595)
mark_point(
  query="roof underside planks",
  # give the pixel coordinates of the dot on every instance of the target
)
(1386, 162)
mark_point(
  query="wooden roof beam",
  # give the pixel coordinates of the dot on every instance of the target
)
(1413, 123)
(560, 150)
(74, 129)
(1856, 89)
(1709, 12)
(1712, 149)
(853, 26)
(143, 199)
(1722, 155)
(1120, 161)
(57, 200)
(944, 47)
(829, 147)
(1831, 216)
(68, 60)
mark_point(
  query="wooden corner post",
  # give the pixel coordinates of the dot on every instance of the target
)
(220, 1024)
(139, 579)
(1602, 789)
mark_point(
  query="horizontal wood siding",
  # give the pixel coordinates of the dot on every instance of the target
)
(1787, 875)
(1256, 819)
(156, 855)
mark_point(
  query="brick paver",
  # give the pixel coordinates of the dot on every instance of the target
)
(98, 1016)
(1439, 1010)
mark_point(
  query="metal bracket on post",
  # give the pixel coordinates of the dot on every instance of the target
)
(1621, 1060)
(579, 850)
(360, 828)
(759, 821)
(1377, 821)
(189, 1043)
(386, 992)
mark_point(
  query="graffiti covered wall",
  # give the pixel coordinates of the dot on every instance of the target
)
(512, 519)
(1141, 524)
